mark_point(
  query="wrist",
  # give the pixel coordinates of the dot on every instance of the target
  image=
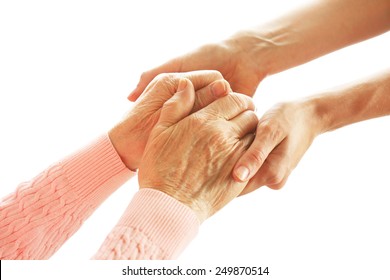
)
(129, 143)
(198, 207)
(254, 50)
(317, 114)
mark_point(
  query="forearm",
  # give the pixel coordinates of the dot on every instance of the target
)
(353, 103)
(313, 31)
(43, 213)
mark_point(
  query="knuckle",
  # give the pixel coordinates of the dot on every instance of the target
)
(200, 76)
(257, 156)
(250, 102)
(277, 186)
(216, 73)
(264, 127)
(274, 176)
(242, 101)
(252, 117)
(245, 101)
(277, 133)
(212, 73)
(238, 101)
(169, 81)
(163, 77)
(272, 129)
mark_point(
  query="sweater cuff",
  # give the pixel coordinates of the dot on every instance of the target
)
(96, 171)
(168, 223)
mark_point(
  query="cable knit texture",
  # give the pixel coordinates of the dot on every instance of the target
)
(43, 213)
(37, 219)
(154, 226)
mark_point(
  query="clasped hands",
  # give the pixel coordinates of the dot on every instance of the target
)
(192, 138)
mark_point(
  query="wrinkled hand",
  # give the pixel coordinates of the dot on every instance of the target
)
(130, 136)
(229, 57)
(283, 135)
(191, 157)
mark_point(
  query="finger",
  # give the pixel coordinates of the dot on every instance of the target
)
(280, 184)
(259, 181)
(210, 93)
(199, 79)
(276, 167)
(245, 123)
(274, 172)
(202, 78)
(178, 106)
(228, 106)
(245, 142)
(148, 76)
(268, 136)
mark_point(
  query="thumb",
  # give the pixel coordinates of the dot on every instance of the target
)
(266, 140)
(179, 105)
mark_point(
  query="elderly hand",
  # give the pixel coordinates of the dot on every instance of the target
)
(283, 135)
(234, 58)
(130, 136)
(191, 157)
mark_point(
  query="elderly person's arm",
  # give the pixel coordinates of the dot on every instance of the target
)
(38, 218)
(185, 175)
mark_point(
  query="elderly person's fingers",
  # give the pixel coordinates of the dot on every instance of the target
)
(227, 107)
(170, 81)
(210, 93)
(178, 106)
(245, 123)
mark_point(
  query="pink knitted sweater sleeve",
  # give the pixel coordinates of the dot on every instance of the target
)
(37, 219)
(43, 213)
(155, 226)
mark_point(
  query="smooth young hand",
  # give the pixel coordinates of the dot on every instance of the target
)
(230, 58)
(285, 132)
(283, 135)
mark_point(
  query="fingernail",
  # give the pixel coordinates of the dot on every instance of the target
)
(182, 85)
(242, 173)
(218, 88)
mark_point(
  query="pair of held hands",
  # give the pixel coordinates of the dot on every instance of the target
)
(189, 134)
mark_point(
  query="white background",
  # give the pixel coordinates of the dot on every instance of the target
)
(66, 68)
